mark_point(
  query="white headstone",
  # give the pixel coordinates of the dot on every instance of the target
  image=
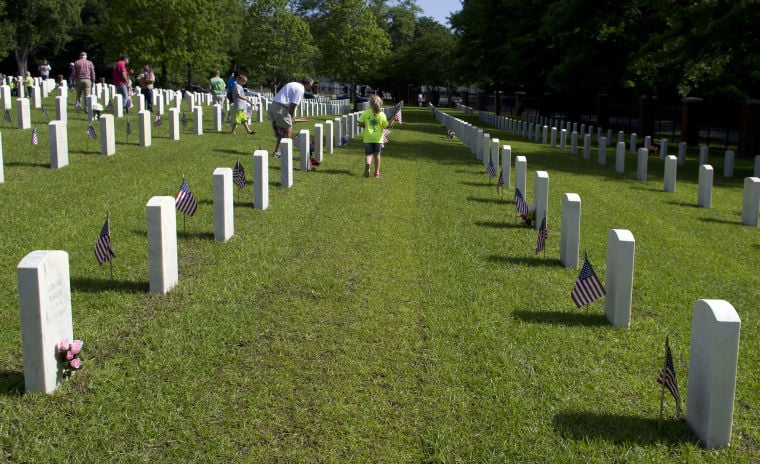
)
(5, 97)
(174, 127)
(642, 162)
(493, 156)
(261, 179)
(704, 152)
(118, 105)
(303, 149)
(574, 143)
(664, 150)
(521, 174)
(681, 152)
(541, 197)
(569, 244)
(587, 146)
(163, 270)
(506, 165)
(751, 201)
(44, 296)
(619, 281)
(756, 171)
(217, 112)
(145, 125)
(224, 214)
(23, 115)
(59, 144)
(485, 149)
(2, 173)
(620, 158)
(286, 163)
(632, 143)
(61, 112)
(728, 164)
(107, 135)
(704, 196)
(553, 137)
(329, 137)
(563, 140)
(713, 359)
(545, 135)
(337, 134)
(602, 156)
(671, 167)
(647, 141)
(319, 149)
(90, 103)
(198, 116)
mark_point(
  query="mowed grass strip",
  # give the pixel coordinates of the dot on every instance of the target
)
(400, 319)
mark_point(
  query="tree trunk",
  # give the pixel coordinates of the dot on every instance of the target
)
(22, 56)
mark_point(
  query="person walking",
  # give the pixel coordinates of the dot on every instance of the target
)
(218, 88)
(120, 79)
(83, 75)
(44, 70)
(146, 79)
(373, 120)
(239, 104)
(283, 108)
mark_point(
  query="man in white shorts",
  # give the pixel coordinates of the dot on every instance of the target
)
(283, 108)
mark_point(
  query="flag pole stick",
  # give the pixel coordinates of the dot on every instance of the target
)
(110, 261)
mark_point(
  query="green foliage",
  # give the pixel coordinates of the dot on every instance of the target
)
(208, 30)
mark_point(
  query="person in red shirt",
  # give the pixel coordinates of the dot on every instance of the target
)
(121, 80)
(83, 75)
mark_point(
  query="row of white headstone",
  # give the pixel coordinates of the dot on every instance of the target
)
(716, 325)
(43, 275)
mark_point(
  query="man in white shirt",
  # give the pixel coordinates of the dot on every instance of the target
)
(283, 108)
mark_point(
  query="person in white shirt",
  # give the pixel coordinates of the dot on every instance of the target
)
(282, 110)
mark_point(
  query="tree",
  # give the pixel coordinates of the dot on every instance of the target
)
(176, 36)
(40, 22)
(353, 47)
(278, 44)
(6, 31)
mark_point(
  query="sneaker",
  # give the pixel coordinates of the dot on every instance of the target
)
(251, 132)
(377, 174)
(276, 154)
(366, 170)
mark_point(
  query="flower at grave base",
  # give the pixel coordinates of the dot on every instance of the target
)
(69, 355)
(76, 347)
(63, 345)
(75, 363)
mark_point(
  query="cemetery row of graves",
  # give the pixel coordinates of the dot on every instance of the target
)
(44, 295)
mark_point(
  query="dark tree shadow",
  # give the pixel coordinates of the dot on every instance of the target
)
(201, 235)
(12, 383)
(537, 260)
(335, 171)
(722, 221)
(29, 164)
(486, 200)
(479, 184)
(621, 429)
(576, 318)
(500, 225)
(97, 285)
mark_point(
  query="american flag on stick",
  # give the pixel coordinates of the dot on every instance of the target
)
(386, 133)
(7, 116)
(35, 138)
(185, 200)
(157, 120)
(91, 132)
(44, 111)
(491, 169)
(520, 206)
(543, 233)
(184, 119)
(587, 288)
(500, 183)
(103, 251)
(129, 127)
(667, 377)
(238, 175)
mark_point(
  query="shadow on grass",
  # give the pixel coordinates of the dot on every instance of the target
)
(12, 383)
(479, 184)
(575, 318)
(722, 221)
(619, 429)
(537, 260)
(485, 200)
(684, 203)
(201, 235)
(93, 285)
(230, 152)
(500, 225)
(344, 172)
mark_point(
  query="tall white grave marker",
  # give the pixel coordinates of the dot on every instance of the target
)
(163, 270)
(669, 181)
(642, 164)
(44, 296)
(620, 252)
(286, 163)
(107, 135)
(541, 197)
(713, 357)
(569, 244)
(261, 179)
(521, 174)
(704, 196)
(144, 128)
(59, 144)
(506, 165)
(224, 215)
(751, 201)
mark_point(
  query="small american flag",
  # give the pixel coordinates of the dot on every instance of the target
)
(543, 233)
(103, 249)
(587, 288)
(184, 119)
(91, 132)
(78, 107)
(185, 200)
(397, 116)
(157, 120)
(35, 138)
(386, 133)
(44, 111)
(7, 116)
(500, 183)
(129, 127)
(129, 103)
(520, 206)
(490, 169)
(238, 175)
(668, 378)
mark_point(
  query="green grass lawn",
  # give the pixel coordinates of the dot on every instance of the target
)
(400, 319)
